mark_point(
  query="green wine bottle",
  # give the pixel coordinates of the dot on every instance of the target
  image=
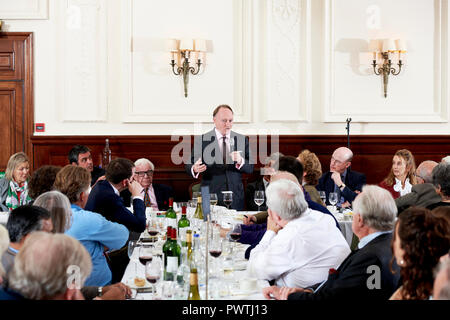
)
(183, 226)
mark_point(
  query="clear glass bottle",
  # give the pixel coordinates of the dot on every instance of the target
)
(106, 155)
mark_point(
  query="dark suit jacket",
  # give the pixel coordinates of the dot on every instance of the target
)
(353, 181)
(95, 174)
(350, 280)
(103, 200)
(219, 176)
(250, 195)
(162, 194)
(421, 195)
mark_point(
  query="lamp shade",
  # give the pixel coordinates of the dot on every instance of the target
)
(172, 45)
(401, 45)
(200, 45)
(187, 44)
(388, 45)
(374, 45)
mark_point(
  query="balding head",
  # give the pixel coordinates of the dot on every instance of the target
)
(284, 175)
(424, 171)
(341, 159)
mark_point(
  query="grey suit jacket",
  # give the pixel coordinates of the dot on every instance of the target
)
(221, 176)
(4, 185)
(421, 195)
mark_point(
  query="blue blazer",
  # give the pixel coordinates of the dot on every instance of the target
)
(219, 176)
(103, 200)
(349, 281)
(162, 194)
(353, 181)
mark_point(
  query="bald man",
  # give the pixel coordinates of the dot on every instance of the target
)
(341, 179)
(423, 193)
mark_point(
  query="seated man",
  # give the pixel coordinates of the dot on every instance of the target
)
(260, 184)
(155, 195)
(81, 156)
(22, 221)
(423, 193)
(300, 244)
(365, 273)
(58, 255)
(441, 182)
(104, 197)
(340, 179)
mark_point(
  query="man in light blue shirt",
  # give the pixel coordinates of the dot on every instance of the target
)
(90, 228)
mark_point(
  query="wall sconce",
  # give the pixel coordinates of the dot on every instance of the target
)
(187, 49)
(388, 47)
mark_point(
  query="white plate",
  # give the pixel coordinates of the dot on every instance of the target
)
(132, 285)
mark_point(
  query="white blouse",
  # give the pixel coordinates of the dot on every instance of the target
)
(398, 187)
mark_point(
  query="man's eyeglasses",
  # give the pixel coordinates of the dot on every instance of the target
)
(143, 173)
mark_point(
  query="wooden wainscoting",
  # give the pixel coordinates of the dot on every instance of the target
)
(372, 154)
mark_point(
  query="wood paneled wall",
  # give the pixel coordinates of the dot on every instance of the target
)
(372, 154)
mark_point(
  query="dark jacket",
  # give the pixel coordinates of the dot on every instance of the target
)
(103, 200)
(421, 195)
(250, 195)
(219, 176)
(354, 277)
(162, 194)
(353, 181)
(95, 174)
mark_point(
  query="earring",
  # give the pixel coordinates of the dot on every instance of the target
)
(402, 262)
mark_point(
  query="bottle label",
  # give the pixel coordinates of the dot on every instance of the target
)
(193, 279)
(172, 264)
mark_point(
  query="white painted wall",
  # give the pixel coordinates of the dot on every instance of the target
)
(285, 66)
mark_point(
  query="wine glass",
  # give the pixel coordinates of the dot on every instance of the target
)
(227, 198)
(152, 228)
(333, 199)
(132, 244)
(259, 198)
(215, 250)
(145, 254)
(153, 272)
(323, 196)
(213, 201)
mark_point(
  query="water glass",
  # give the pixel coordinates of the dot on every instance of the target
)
(259, 198)
(333, 199)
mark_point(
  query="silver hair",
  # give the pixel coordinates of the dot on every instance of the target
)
(376, 207)
(425, 170)
(41, 267)
(286, 199)
(446, 159)
(441, 177)
(4, 243)
(59, 207)
(144, 161)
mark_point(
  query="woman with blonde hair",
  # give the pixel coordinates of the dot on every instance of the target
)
(312, 171)
(402, 177)
(14, 186)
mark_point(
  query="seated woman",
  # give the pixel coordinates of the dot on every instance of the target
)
(312, 171)
(14, 186)
(421, 237)
(401, 178)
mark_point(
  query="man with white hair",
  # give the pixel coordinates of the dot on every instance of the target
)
(300, 244)
(155, 195)
(365, 273)
(58, 255)
(340, 179)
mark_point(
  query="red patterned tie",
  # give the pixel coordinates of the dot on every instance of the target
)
(147, 201)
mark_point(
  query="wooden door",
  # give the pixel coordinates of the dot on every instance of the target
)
(16, 95)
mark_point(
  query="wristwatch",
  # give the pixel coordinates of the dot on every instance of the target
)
(100, 291)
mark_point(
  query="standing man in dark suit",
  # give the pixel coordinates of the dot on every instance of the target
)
(341, 179)
(221, 156)
(365, 274)
(155, 195)
(81, 156)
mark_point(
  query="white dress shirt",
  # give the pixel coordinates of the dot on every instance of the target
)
(302, 253)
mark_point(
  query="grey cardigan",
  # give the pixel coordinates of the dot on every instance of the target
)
(4, 185)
